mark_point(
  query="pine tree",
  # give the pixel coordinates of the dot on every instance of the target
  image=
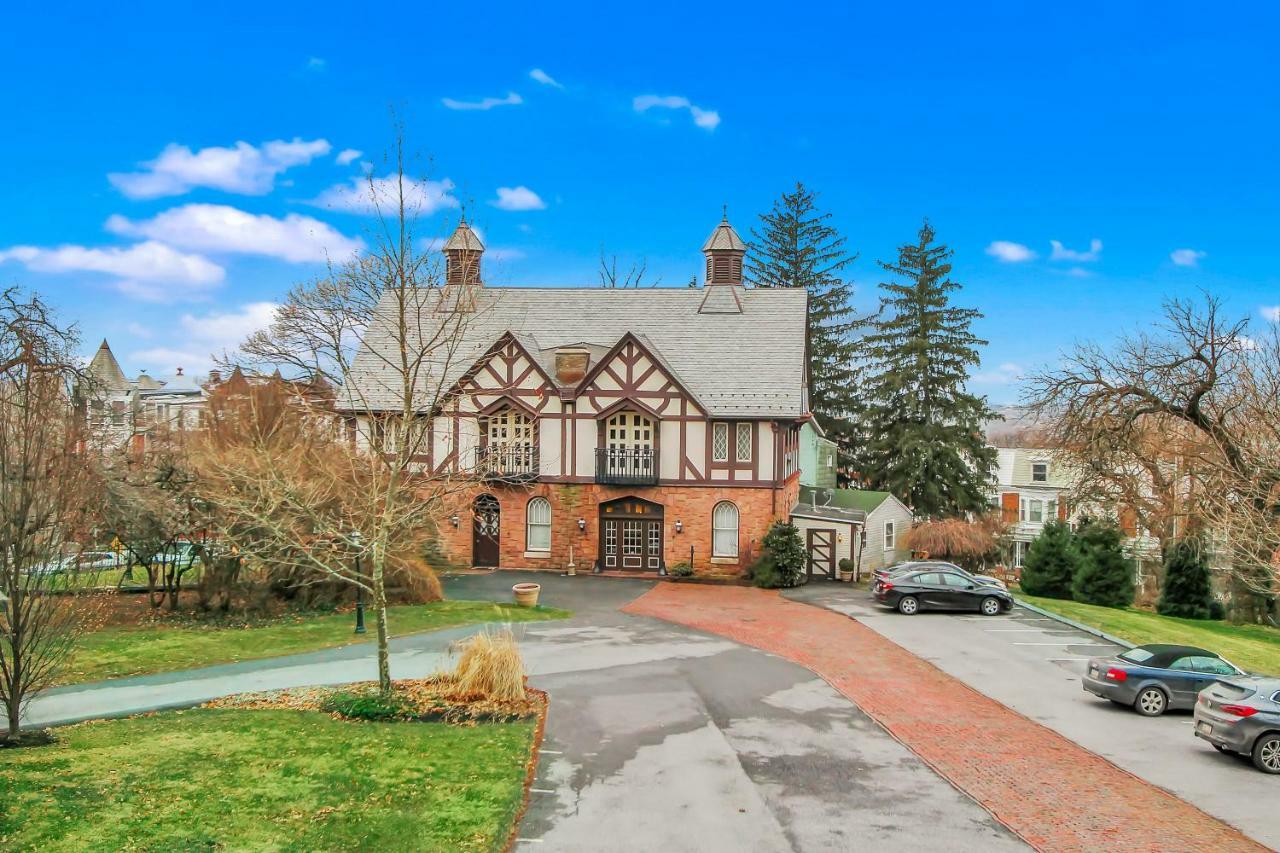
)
(1051, 562)
(797, 247)
(1186, 591)
(925, 431)
(1105, 576)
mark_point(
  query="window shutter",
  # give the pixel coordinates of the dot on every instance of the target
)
(1009, 507)
(1128, 521)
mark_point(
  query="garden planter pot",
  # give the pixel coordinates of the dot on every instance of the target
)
(846, 576)
(526, 594)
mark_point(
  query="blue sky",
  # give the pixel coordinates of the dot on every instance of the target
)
(1142, 140)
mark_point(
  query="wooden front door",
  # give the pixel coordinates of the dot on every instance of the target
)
(486, 523)
(631, 535)
(822, 553)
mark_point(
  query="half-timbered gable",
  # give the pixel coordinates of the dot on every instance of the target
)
(626, 429)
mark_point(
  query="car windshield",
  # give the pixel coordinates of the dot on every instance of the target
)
(1138, 655)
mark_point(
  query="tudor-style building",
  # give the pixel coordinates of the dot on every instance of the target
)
(625, 429)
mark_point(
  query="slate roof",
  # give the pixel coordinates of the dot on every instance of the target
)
(748, 364)
(106, 370)
(464, 238)
(724, 237)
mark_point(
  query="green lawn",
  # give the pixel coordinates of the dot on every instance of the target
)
(1253, 647)
(118, 652)
(264, 780)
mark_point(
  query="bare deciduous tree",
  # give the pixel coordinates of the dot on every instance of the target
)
(1185, 417)
(320, 492)
(47, 493)
(633, 277)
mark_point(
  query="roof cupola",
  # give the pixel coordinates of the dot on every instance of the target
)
(462, 253)
(724, 250)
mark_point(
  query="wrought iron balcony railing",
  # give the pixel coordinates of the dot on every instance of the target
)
(633, 466)
(508, 462)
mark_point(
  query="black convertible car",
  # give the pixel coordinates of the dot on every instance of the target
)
(912, 592)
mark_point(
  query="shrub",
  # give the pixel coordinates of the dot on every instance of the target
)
(489, 666)
(783, 560)
(847, 565)
(1051, 562)
(1186, 591)
(1105, 574)
(371, 705)
(681, 570)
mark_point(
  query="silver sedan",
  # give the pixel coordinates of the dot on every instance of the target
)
(1242, 715)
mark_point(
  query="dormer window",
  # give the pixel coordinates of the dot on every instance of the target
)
(1039, 472)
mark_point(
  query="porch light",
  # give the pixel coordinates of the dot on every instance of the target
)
(679, 525)
(582, 524)
(454, 520)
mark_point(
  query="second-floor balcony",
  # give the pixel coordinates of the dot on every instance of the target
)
(516, 462)
(627, 466)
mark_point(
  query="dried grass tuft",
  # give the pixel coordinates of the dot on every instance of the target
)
(490, 666)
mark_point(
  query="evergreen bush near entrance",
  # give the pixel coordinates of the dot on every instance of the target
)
(1049, 567)
(1186, 592)
(1105, 574)
(782, 563)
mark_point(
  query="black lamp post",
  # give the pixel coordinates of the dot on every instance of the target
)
(355, 538)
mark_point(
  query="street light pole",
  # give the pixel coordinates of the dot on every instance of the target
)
(355, 537)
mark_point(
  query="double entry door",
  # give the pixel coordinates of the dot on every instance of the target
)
(631, 535)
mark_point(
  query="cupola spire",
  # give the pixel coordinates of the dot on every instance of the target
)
(724, 250)
(462, 253)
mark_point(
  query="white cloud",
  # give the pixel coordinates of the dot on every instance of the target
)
(220, 228)
(1271, 313)
(484, 103)
(1062, 253)
(518, 198)
(138, 330)
(206, 335)
(545, 79)
(243, 169)
(1078, 272)
(1186, 257)
(346, 155)
(1010, 253)
(1006, 374)
(316, 63)
(703, 118)
(358, 196)
(149, 270)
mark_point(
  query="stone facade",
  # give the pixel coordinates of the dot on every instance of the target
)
(692, 506)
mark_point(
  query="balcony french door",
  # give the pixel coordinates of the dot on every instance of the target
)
(511, 448)
(628, 456)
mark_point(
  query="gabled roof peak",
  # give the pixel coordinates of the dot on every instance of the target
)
(464, 238)
(724, 238)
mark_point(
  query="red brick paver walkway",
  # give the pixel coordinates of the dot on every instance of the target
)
(1052, 792)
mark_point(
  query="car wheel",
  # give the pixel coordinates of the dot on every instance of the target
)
(1266, 753)
(1150, 702)
(990, 606)
(908, 605)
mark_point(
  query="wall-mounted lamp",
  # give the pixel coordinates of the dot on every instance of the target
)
(679, 525)
(582, 524)
(454, 520)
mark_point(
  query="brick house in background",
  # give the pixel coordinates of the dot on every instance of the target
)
(629, 429)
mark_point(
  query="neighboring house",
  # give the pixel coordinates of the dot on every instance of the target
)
(1029, 489)
(818, 457)
(886, 522)
(631, 429)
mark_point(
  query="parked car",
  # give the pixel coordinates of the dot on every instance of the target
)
(1157, 677)
(98, 560)
(940, 565)
(1242, 715)
(913, 591)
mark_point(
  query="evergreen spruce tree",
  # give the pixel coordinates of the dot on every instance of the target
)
(925, 441)
(1051, 562)
(783, 562)
(1186, 591)
(797, 247)
(1105, 575)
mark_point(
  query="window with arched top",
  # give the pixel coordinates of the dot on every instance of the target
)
(724, 530)
(538, 525)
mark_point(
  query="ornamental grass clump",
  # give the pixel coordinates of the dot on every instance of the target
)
(489, 666)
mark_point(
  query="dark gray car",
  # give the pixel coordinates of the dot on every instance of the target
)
(1242, 715)
(1156, 677)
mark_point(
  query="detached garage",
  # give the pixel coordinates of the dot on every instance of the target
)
(830, 534)
(885, 521)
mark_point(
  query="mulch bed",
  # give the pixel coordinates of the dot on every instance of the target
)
(429, 700)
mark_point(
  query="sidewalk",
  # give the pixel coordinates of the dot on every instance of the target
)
(1053, 793)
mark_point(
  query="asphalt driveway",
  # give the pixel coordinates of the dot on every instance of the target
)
(659, 737)
(1033, 664)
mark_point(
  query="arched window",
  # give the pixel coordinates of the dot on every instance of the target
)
(724, 530)
(538, 525)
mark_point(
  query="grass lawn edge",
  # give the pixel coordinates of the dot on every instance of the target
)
(531, 769)
(1081, 626)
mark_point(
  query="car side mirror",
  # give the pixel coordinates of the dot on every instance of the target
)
(971, 586)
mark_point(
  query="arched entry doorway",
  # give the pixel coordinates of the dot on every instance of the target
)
(486, 522)
(631, 535)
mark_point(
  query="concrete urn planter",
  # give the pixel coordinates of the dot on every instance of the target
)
(527, 594)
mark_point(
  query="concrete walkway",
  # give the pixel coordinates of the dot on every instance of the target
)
(659, 737)
(1051, 791)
